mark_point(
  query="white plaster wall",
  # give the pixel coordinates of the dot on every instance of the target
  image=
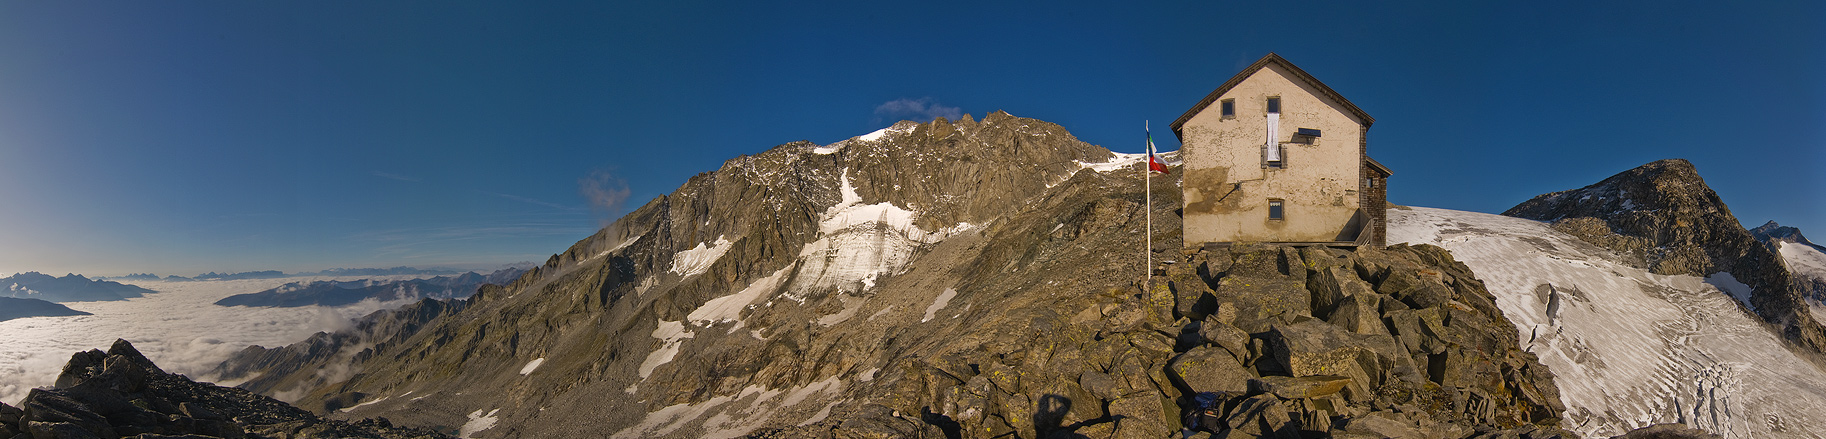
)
(1319, 183)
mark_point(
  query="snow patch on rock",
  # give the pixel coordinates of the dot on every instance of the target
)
(732, 416)
(1628, 348)
(939, 303)
(698, 259)
(532, 365)
(670, 335)
(368, 403)
(729, 308)
(1132, 162)
(875, 136)
(477, 423)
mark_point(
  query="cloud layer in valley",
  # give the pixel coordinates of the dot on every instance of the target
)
(179, 328)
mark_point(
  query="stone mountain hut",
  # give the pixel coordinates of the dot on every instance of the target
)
(1275, 156)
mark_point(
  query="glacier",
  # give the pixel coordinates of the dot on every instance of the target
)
(1629, 348)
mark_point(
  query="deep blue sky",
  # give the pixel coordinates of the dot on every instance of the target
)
(182, 137)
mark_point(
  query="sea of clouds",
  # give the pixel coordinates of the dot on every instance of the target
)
(180, 328)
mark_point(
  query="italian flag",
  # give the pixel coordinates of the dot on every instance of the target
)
(1155, 164)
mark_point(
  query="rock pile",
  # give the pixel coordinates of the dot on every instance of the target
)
(121, 393)
(1260, 341)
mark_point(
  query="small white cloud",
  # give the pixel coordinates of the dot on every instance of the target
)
(919, 110)
(605, 191)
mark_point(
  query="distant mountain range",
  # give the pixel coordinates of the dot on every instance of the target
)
(274, 274)
(17, 308)
(69, 288)
(337, 293)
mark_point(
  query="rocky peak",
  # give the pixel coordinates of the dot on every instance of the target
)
(1770, 233)
(1687, 229)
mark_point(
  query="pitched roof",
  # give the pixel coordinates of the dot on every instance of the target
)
(1263, 63)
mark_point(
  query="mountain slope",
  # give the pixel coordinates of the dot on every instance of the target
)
(1630, 347)
(15, 308)
(1663, 217)
(286, 372)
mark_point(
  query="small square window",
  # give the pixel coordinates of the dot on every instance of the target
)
(1274, 105)
(1229, 108)
(1275, 209)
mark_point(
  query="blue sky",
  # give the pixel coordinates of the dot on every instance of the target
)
(182, 137)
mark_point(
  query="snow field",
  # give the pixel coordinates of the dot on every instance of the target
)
(1630, 348)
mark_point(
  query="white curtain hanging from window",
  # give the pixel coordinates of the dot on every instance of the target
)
(1274, 132)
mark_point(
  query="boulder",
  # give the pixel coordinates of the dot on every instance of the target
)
(1263, 302)
(1192, 297)
(1262, 416)
(9, 415)
(1141, 416)
(50, 407)
(1313, 347)
(1316, 386)
(60, 430)
(1359, 313)
(1384, 425)
(1420, 330)
(1226, 336)
(1257, 261)
(1208, 369)
(1332, 285)
(1414, 289)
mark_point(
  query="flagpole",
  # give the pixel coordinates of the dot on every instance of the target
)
(1147, 247)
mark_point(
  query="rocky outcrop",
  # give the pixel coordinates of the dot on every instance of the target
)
(1397, 342)
(1663, 216)
(1441, 360)
(120, 393)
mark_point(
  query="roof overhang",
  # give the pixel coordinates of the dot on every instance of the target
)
(1259, 65)
(1377, 166)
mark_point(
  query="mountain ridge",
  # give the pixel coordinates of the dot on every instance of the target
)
(902, 281)
(69, 288)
